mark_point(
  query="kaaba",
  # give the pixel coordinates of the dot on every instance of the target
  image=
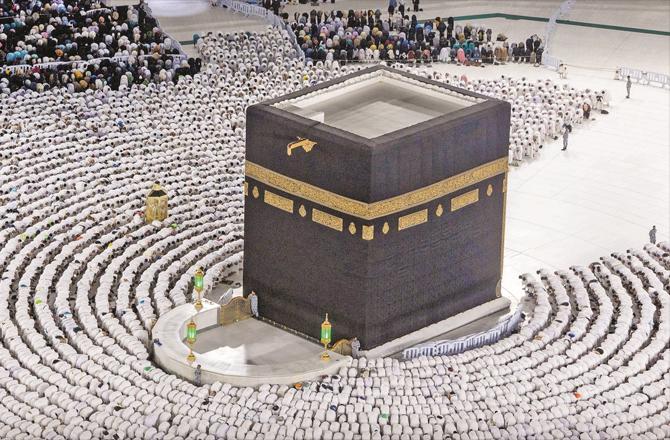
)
(378, 198)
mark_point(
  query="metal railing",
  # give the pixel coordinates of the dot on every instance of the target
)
(550, 61)
(642, 77)
(455, 346)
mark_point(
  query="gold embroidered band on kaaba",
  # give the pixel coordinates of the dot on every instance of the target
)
(382, 208)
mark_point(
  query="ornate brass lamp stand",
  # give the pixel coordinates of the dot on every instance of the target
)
(326, 332)
(198, 285)
(191, 335)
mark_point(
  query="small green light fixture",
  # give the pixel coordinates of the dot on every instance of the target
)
(326, 337)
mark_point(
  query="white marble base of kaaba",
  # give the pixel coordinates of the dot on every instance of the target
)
(246, 353)
(484, 316)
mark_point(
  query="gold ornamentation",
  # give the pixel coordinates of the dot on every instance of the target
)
(504, 185)
(489, 190)
(413, 219)
(439, 211)
(302, 211)
(303, 143)
(386, 228)
(464, 200)
(368, 232)
(157, 204)
(343, 347)
(235, 310)
(191, 357)
(352, 228)
(278, 201)
(323, 218)
(382, 208)
(246, 189)
(255, 192)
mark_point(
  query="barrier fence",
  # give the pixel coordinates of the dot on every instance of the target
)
(550, 62)
(641, 77)
(245, 8)
(455, 346)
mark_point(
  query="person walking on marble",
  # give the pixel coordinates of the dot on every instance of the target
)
(652, 235)
(197, 376)
(566, 134)
(392, 5)
(628, 85)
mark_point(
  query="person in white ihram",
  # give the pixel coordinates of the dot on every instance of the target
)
(355, 348)
(254, 304)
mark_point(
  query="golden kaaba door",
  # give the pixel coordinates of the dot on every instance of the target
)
(237, 309)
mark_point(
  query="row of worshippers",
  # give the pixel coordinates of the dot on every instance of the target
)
(105, 74)
(348, 35)
(367, 35)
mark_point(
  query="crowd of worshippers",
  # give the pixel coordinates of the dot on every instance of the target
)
(104, 74)
(542, 110)
(84, 279)
(35, 32)
(373, 35)
(70, 44)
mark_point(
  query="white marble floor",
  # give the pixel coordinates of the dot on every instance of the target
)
(613, 183)
(601, 195)
(253, 342)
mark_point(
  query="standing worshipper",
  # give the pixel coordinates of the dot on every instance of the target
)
(628, 85)
(566, 133)
(275, 6)
(355, 348)
(253, 299)
(652, 235)
(197, 376)
(392, 5)
(401, 7)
